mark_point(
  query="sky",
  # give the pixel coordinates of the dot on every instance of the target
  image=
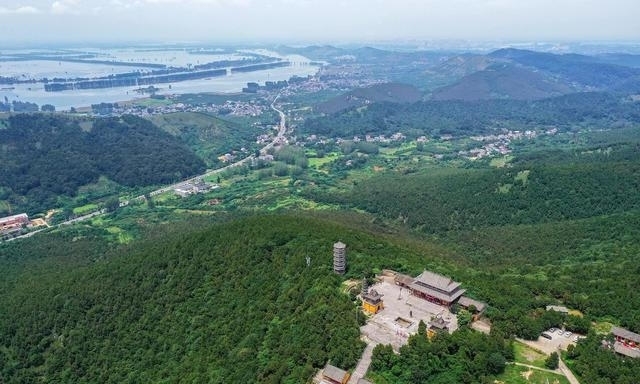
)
(316, 21)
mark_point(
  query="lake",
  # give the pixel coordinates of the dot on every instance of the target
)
(36, 69)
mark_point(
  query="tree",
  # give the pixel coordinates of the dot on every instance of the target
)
(382, 358)
(422, 328)
(496, 363)
(464, 318)
(112, 204)
(552, 361)
(47, 108)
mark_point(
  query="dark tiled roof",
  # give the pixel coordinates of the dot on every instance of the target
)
(626, 351)
(437, 281)
(467, 302)
(372, 296)
(438, 323)
(450, 297)
(334, 373)
(626, 334)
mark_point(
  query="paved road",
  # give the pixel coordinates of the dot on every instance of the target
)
(68, 222)
(363, 365)
(567, 372)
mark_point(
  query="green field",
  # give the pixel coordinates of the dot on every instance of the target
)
(514, 374)
(85, 209)
(527, 355)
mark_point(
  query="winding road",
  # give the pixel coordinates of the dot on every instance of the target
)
(282, 129)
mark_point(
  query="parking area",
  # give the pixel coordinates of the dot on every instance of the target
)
(401, 315)
(554, 339)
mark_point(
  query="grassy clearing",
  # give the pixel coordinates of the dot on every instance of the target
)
(121, 236)
(504, 188)
(317, 162)
(528, 355)
(85, 209)
(603, 327)
(523, 176)
(514, 374)
(500, 162)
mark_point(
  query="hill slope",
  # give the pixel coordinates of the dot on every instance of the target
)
(234, 303)
(387, 92)
(503, 81)
(208, 136)
(45, 156)
(586, 70)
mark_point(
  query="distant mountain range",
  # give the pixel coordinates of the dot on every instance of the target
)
(502, 74)
(528, 75)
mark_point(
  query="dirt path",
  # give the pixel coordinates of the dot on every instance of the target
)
(538, 368)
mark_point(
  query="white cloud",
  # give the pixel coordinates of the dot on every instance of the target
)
(23, 10)
(60, 7)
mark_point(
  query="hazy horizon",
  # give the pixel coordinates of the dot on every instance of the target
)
(38, 22)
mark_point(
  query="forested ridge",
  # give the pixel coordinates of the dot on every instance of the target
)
(236, 302)
(45, 156)
(460, 118)
(536, 188)
(231, 303)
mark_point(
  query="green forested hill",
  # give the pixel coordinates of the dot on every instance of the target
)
(207, 135)
(45, 156)
(460, 118)
(545, 188)
(234, 303)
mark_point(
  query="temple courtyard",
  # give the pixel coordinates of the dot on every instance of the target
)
(401, 315)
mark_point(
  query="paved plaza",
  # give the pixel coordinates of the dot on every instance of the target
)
(401, 315)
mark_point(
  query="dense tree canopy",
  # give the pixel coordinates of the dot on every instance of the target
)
(234, 303)
(44, 156)
(460, 118)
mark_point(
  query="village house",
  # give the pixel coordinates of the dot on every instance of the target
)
(13, 223)
(192, 187)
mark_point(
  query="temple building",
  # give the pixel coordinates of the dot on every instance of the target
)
(372, 301)
(437, 325)
(334, 375)
(627, 343)
(432, 287)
